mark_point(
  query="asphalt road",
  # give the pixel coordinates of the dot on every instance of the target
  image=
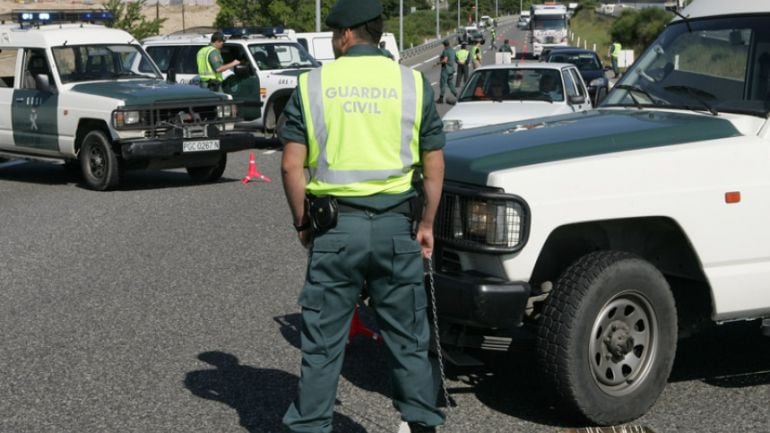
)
(168, 306)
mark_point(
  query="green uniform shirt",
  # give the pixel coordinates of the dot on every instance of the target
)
(449, 53)
(431, 130)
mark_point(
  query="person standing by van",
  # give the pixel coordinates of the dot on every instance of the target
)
(210, 64)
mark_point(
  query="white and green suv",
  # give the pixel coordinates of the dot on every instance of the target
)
(70, 92)
(601, 237)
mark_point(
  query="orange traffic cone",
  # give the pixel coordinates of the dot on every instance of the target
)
(357, 327)
(254, 174)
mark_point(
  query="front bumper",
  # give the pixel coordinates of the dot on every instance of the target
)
(481, 302)
(164, 148)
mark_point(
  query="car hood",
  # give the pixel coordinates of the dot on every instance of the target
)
(471, 156)
(144, 92)
(481, 113)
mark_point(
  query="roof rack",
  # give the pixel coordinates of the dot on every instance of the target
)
(53, 16)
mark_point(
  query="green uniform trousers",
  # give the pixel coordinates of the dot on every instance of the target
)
(375, 249)
(446, 80)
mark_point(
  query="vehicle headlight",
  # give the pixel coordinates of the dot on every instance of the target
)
(126, 118)
(224, 111)
(494, 222)
(482, 221)
(453, 125)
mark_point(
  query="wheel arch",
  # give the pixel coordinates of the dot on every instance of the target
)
(658, 240)
(85, 125)
(274, 107)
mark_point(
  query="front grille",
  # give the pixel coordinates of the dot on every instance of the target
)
(550, 40)
(188, 119)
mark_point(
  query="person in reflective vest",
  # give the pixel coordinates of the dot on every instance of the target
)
(462, 56)
(615, 49)
(210, 64)
(361, 125)
(476, 55)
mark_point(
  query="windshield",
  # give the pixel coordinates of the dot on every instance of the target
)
(474, 33)
(549, 23)
(584, 62)
(514, 84)
(282, 55)
(103, 62)
(718, 64)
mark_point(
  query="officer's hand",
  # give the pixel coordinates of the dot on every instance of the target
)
(236, 62)
(425, 238)
(305, 236)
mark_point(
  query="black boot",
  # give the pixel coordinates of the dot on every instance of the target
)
(419, 428)
(440, 100)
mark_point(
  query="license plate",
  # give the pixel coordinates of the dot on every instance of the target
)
(200, 145)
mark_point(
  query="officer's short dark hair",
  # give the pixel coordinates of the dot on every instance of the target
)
(445, 42)
(217, 37)
(370, 31)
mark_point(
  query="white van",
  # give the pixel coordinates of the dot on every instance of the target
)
(319, 45)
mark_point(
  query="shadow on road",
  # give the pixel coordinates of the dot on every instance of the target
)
(56, 174)
(260, 396)
(732, 355)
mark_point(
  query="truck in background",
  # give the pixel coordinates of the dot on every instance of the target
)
(550, 27)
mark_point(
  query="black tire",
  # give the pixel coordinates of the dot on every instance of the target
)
(607, 337)
(209, 173)
(98, 162)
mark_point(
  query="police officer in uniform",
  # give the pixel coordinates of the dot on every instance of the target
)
(210, 64)
(447, 62)
(360, 126)
(462, 56)
(615, 50)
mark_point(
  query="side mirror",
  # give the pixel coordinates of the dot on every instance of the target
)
(577, 99)
(242, 70)
(171, 75)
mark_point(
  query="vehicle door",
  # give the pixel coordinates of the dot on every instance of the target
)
(582, 89)
(33, 109)
(8, 59)
(573, 97)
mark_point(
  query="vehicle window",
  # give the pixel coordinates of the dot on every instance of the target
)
(8, 66)
(186, 61)
(233, 52)
(513, 84)
(276, 56)
(716, 64)
(100, 62)
(35, 66)
(579, 83)
(569, 83)
(162, 57)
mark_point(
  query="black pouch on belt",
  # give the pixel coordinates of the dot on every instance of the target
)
(323, 213)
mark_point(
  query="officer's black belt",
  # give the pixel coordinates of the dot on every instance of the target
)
(402, 208)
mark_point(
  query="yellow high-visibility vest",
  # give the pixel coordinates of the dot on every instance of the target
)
(462, 55)
(363, 117)
(205, 71)
(616, 47)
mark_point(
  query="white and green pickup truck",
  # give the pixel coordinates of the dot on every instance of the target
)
(71, 92)
(602, 237)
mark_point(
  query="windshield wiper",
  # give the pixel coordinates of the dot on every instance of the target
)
(630, 89)
(127, 74)
(696, 94)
